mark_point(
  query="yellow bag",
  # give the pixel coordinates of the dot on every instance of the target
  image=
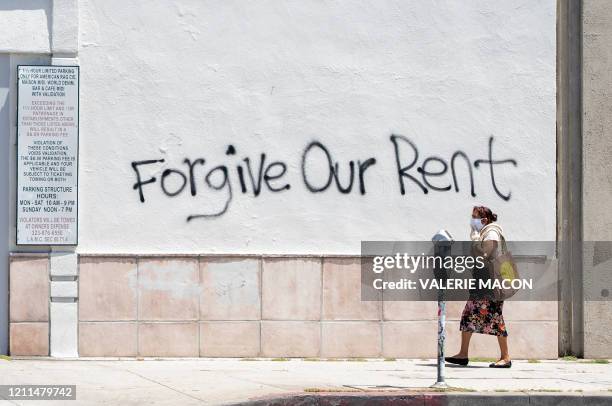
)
(504, 269)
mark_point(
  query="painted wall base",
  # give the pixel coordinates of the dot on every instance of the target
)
(249, 306)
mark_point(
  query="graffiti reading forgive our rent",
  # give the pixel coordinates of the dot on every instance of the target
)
(264, 175)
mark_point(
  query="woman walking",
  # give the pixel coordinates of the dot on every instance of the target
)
(482, 313)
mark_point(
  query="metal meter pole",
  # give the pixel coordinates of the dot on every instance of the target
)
(442, 246)
(440, 383)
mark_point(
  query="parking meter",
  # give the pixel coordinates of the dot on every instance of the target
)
(442, 241)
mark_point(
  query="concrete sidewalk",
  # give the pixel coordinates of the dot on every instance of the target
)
(227, 381)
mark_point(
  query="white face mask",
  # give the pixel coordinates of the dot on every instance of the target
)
(476, 224)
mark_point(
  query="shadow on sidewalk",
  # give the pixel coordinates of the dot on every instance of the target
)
(455, 366)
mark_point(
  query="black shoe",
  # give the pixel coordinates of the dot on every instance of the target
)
(501, 364)
(458, 361)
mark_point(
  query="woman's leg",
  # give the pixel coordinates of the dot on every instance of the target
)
(503, 348)
(502, 340)
(504, 358)
(465, 344)
(466, 327)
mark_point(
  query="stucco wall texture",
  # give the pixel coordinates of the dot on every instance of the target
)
(186, 79)
(26, 26)
(209, 87)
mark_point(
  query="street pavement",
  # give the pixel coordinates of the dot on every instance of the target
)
(230, 381)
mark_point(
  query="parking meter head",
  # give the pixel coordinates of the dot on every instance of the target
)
(442, 241)
(442, 236)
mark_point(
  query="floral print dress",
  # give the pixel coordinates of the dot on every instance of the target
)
(484, 316)
(481, 314)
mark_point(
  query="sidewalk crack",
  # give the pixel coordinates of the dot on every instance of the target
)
(158, 383)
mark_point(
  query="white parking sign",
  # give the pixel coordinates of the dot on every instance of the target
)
(47, 155)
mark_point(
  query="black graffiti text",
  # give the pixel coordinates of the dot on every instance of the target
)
(332, 168)
(197, 177)
(320, 172)
(427, 178)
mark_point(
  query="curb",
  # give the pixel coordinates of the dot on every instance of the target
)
(434, 399)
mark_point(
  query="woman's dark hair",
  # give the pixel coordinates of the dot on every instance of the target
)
(485, 212)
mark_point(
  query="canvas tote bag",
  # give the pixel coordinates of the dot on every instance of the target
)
(504, 267)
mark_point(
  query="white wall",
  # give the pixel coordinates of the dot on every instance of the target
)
(184, 79)
(25, 26)
(5, 150)
(24, 29)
